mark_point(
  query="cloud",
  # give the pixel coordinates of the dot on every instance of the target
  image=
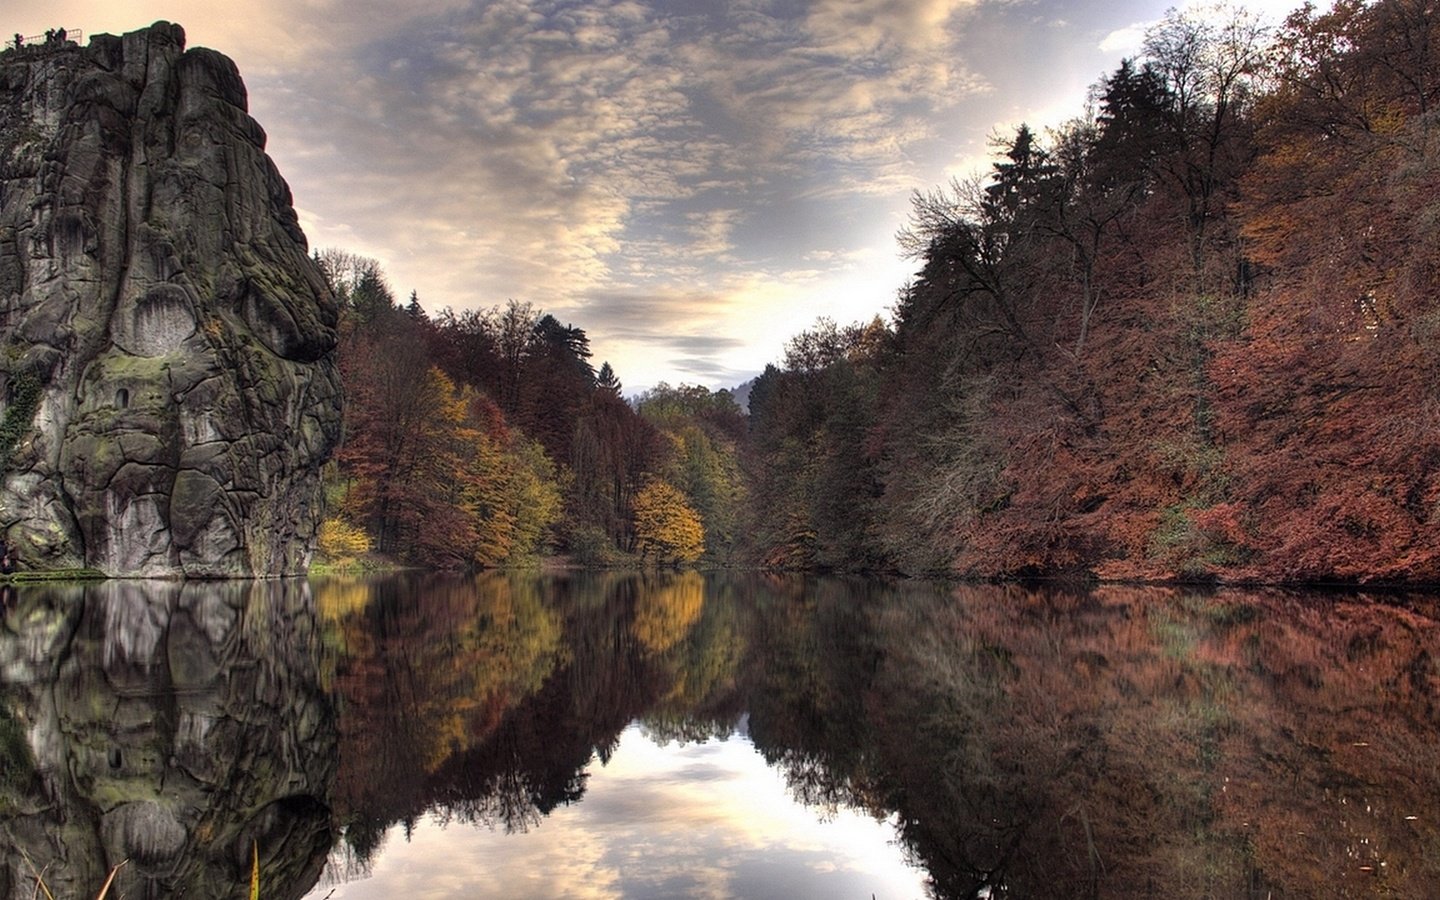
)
(704, 370)
(702, 343)
(711, 231)
(717, 335)
(651, 166)
(1126, 41)
(842, 92)
(518, 144)
(881, 28)
(552, 152)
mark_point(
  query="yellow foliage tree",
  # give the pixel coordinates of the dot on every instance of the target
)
(342, 542)
(666, 611)
(667, 529)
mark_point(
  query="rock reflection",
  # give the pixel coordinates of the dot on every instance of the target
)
(177, 728)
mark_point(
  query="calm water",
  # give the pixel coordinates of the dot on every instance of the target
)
(689, 736)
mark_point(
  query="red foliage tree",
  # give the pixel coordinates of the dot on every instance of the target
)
(1328, 404)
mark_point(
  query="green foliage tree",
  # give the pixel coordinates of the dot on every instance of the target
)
(704, 431)
(607, 381)
(814, 480)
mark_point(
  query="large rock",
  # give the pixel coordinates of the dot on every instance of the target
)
(166, 343)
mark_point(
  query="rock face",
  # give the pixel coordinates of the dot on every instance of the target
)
(166, 344)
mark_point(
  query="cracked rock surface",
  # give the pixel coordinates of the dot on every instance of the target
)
(167, 367)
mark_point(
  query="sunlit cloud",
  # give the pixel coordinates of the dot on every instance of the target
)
(1127, 40)
(645, 168)
(870, 28)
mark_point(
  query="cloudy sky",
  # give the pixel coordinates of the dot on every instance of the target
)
(691, 182)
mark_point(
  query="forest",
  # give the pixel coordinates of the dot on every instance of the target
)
(1192, 333)
(487, 438)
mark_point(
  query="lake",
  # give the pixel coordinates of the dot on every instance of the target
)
(688, 735)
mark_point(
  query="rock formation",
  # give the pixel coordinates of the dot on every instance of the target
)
(166, 345)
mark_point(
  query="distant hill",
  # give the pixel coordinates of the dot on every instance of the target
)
(742, 395)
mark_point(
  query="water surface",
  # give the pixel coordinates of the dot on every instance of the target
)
(684, 735)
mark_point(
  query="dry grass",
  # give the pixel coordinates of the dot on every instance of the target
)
(43, 890)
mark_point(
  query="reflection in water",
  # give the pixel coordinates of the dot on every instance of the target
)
(1122, 742)
(177, 729)
(1134, 742)
(701, 820)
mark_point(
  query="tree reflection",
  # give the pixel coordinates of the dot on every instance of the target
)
(1121, 742)
(483, 700)
(1129, 742)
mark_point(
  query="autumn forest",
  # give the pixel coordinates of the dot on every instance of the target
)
(1192, 333)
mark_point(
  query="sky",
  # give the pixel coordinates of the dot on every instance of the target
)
(690, 182)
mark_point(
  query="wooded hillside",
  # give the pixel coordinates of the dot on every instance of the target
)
(1192, 333)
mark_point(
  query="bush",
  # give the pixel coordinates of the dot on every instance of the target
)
(339, 540)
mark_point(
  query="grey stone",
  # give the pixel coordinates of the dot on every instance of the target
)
(155, 283)
(145, 832)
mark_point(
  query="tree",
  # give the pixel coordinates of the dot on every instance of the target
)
(667, 530)
(812, 459)
(556, 380)
(1133, 135)
(358, 282)
(611, 452)
(1209, 61)
(1328, 398)
(467, 347)
(704, 431)
(607, 381)
(393, 430)
(514, 327)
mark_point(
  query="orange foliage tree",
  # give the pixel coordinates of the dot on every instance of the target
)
(431, 467)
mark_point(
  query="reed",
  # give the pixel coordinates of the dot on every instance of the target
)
(42, 889)
(109, 880)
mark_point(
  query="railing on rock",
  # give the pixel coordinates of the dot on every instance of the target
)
(56, 38)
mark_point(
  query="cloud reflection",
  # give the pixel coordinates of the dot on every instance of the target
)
(698, 820)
